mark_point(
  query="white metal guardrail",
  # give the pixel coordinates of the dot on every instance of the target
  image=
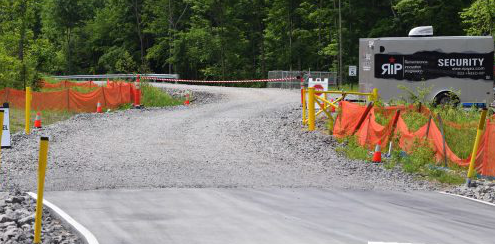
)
(113, 76)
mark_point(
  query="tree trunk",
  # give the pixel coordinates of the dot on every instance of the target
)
(140, 35)
(69, 55)
(22, 41)
(170, 35)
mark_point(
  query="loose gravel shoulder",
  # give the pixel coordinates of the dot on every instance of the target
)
(17, 213)
(240, 138)
(483, 190)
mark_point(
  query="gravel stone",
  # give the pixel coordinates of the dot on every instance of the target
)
(484, 190)
(17, 224)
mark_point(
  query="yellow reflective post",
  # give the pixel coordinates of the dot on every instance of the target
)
(1, 133)
(41, 184)
(304, 106)
(27, 112)
(311, 108)
(481, 127)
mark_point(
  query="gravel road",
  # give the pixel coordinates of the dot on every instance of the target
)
(234, 137)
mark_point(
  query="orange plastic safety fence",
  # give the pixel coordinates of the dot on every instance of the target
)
(371, 133)
(112, 96)
(69, 84)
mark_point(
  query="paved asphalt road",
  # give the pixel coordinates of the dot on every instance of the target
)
(299, 215)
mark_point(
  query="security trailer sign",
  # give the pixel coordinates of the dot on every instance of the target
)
(427, 65)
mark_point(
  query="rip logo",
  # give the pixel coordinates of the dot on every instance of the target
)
(391, 68)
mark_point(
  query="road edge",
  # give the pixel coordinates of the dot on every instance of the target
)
(86, 236)
(468, 198)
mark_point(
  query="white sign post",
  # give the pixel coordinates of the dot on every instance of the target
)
(6, 126)
(352, 70)
(319, 85)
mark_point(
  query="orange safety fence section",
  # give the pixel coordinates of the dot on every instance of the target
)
(69, 84)
(111, 96)
(371, 133)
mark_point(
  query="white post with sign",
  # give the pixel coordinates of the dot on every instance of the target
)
(352, 70)
(6, 126)
(319, 85)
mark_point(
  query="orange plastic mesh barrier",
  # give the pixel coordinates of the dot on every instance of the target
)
(371, 133)
(112, 96)
(69, 84)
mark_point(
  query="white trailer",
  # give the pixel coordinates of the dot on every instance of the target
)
(459, 67)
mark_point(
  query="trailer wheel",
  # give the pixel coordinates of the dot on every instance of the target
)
(447, 98)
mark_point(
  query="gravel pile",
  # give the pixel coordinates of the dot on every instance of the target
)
(280, 132)
(17, 213)
(483, 190)
(196, 95)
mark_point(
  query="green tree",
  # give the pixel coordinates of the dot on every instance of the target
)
(479, 18)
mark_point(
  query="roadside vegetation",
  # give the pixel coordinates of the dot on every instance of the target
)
(459, 126)
(151, 97)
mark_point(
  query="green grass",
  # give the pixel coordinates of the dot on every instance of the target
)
(380, 118)
(460, 140)
(151, 97)
(414, 120)
(74, 88)
(17, 119)
(350, 148)
(50, 79)
(346, 87)
(420, 161)
(155, 97)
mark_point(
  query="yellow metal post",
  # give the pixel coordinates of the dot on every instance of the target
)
(27, 112)
(311, 108)
(481, 127)
(1, 134)
(374, 95)
(41, 185)
(304, 106)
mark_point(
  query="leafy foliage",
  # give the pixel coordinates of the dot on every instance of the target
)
(210, 39)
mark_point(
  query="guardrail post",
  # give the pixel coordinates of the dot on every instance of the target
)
(311, 109)
(481, 127)
(27, 112)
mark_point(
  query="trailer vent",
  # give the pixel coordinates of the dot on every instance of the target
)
(421, 31)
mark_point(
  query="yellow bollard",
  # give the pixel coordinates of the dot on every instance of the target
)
(311, 109)
(374, 95)
(481, 127)
(1, 133)
(27, 112)
(303, 106)
(41, 185)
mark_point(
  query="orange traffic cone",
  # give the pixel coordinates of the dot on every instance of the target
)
(187, 99)
(37, 121)
(333, 108)
(377, 156)
(98, 108)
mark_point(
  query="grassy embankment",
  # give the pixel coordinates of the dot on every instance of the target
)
(459, 137)
(151, 97)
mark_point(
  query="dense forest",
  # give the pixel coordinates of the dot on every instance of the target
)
(211, 39)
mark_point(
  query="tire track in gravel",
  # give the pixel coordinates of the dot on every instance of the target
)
(244, 138)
